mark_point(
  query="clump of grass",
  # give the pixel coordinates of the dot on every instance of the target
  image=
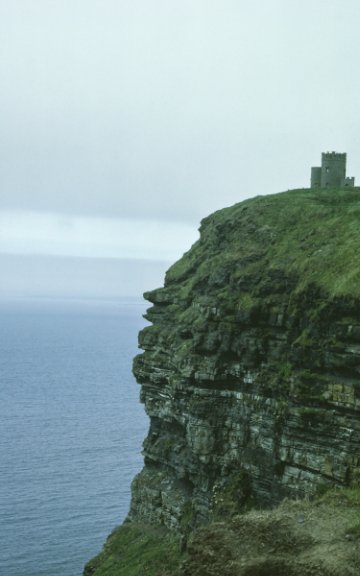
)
(233, 497)
(353, 529)
(347, 496)
(135, 549)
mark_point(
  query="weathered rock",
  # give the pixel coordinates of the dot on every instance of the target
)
(251, 368)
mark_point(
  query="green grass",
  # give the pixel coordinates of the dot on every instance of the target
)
(313, 235)
(346, 496)
(147, 550)
(134, 550)
(353, 529)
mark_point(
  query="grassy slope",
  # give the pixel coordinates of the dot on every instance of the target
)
(320, 538)
(298, 538)
(315, 234)
(137, 549)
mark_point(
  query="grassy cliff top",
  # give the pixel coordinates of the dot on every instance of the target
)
(313, 235)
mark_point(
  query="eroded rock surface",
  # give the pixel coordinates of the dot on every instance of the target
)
(251, 366)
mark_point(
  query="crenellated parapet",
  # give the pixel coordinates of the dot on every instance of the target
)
(332, 172)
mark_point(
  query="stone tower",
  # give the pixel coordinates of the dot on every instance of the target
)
(332, 173)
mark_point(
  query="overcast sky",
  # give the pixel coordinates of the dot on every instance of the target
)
(124, 122)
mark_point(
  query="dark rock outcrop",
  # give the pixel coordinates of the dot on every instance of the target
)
(251, 368)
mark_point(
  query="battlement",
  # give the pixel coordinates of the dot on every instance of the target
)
(333, 155)
(332, 172)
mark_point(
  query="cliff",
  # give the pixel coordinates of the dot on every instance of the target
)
(251, 374)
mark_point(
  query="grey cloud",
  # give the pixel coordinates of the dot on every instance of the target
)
(171, 109)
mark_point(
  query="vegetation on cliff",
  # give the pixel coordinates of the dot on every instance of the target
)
(137, 550)
(251, 378)
(312, 235)
(297, 538)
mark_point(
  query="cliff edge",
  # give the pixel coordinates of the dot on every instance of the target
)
(251, 378)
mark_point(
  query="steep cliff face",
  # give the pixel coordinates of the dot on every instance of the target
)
(251, 366)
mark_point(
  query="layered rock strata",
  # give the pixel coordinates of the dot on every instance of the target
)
(251, 366)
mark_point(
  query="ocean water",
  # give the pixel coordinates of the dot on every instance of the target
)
(71, 429)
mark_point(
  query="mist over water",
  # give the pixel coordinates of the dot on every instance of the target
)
(71, 428)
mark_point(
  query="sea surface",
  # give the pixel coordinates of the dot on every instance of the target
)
(71, 429)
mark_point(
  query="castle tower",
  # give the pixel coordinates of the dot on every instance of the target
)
(332, 172)
(316, 177)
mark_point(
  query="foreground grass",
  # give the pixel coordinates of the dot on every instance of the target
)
(136, 549)
(297, 538)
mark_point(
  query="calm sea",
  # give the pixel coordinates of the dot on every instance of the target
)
(71, 428)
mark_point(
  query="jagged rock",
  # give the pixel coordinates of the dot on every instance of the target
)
(250, 370)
